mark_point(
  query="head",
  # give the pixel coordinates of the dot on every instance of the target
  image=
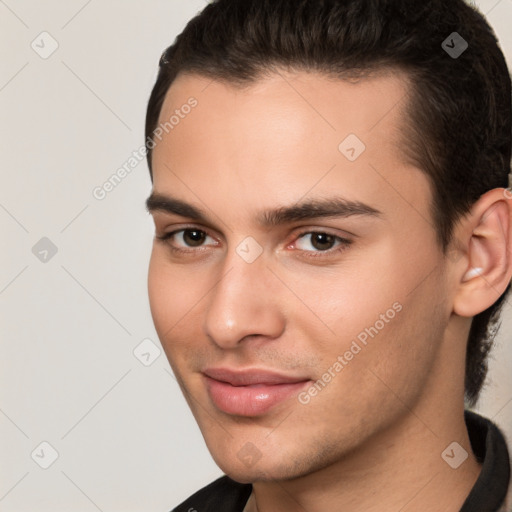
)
(290, 104)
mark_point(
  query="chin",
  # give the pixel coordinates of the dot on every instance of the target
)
(246, 477)
(279, 467)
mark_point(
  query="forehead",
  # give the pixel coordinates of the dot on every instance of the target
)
(299, 106)
(374, 92)
(286, 135)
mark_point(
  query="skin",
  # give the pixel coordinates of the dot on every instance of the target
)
(372, 438)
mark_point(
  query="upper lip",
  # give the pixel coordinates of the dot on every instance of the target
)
(250, 376)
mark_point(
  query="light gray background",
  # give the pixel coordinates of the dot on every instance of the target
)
(125, 438)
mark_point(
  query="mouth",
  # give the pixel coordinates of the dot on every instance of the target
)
(250, 392)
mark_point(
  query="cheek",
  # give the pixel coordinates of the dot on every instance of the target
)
(160, 298)
(343, 303)
(172, 297)
(177, 298)
(377, 310)
(393, 351)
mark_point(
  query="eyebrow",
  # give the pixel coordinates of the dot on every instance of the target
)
(333, 207)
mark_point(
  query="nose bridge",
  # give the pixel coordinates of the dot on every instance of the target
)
(242, 302)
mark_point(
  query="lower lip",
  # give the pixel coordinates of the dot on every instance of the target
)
(250, 400)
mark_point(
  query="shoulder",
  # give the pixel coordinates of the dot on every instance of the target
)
(222, 495)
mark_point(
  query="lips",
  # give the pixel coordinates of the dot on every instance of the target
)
(250, 392)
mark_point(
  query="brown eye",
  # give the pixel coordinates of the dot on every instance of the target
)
(193, 237)
(322, 241)
(318, 240)
(187, 238)
(320, 244)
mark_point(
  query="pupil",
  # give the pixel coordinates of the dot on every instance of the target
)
(322, 241)
(193, 238)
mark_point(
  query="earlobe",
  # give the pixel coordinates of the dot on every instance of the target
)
(489, 253)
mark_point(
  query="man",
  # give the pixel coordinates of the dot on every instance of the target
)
(333, 246)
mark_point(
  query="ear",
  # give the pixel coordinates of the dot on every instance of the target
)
(486, 272)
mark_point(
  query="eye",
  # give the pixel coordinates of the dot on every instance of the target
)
(321, 242)
(311, 243)
(183, 239)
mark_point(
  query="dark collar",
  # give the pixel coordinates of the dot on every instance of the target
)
(490, 448)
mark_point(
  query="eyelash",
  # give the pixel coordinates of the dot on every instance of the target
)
(344, 243)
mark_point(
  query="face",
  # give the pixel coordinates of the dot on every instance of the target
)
(295, 276)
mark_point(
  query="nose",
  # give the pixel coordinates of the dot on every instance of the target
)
(244, 303)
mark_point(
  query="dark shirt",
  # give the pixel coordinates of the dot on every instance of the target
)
(487, 495)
